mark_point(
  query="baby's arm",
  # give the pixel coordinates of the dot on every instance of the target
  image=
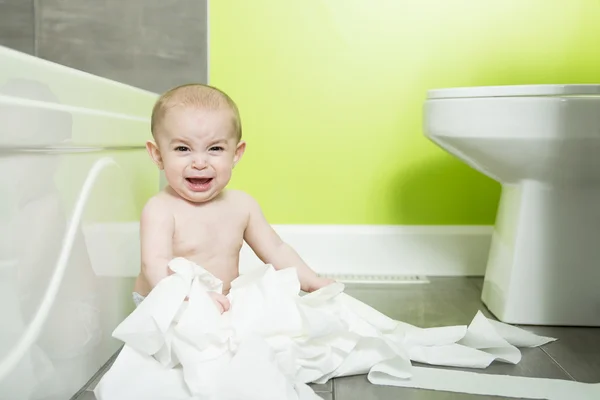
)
(156, 235)
(271, 249)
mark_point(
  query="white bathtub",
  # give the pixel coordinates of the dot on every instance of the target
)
(71, 157)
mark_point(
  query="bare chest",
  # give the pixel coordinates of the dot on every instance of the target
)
(205, 233)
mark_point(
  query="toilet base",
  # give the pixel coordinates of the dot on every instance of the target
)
(544, 261)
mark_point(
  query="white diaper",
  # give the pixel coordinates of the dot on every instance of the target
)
(137, 298)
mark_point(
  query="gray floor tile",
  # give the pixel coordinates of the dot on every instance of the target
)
(443, 302)
(87, 396)
(577, 351)
(325, 387)
(477, 281)
(94, 381)
(325, 395)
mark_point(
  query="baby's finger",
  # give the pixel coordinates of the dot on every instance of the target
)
(219, 306)
(221, 301)
(224, 301)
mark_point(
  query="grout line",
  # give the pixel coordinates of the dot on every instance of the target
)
(34, 6)
(207, 78)
(558, 364)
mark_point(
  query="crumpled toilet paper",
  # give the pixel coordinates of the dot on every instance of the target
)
(273, 340)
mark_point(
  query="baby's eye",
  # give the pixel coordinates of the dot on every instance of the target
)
(216, 148)
(181, 148)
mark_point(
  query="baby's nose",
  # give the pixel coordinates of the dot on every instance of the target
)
(198, 163)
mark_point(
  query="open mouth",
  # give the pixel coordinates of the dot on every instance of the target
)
(199, 184)
(198, 181)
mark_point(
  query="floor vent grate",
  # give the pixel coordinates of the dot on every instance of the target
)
(378, 279)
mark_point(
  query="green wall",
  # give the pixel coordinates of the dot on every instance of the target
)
(331, 95)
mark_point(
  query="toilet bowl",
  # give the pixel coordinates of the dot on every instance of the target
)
(542, 143)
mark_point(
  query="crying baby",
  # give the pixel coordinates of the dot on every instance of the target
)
(197, 142)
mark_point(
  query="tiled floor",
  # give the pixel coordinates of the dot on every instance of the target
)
(455, 301)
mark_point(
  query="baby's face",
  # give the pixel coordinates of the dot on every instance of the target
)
(197, 150)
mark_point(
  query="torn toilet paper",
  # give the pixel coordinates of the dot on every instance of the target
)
(273, 341)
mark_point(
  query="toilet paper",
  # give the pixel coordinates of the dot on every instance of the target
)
(273, 341)
(487, 384)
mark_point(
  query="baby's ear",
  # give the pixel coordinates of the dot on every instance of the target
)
(154, 152)
(239, 152)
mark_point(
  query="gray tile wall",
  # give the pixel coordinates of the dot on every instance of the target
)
(17, 27)
(151, 44)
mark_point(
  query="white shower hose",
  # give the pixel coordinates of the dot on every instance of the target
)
(34, 328)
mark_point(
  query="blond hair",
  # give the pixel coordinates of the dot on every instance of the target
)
(197, 95)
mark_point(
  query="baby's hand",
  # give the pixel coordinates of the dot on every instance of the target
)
(318, 283)
(221, 301)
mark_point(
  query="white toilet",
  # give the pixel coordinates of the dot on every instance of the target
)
(542, 143)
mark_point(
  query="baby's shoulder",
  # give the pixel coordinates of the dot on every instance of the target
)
(158, 206)
(240, 199)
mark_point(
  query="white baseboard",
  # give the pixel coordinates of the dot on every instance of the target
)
(402, 252)
(451, 250)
